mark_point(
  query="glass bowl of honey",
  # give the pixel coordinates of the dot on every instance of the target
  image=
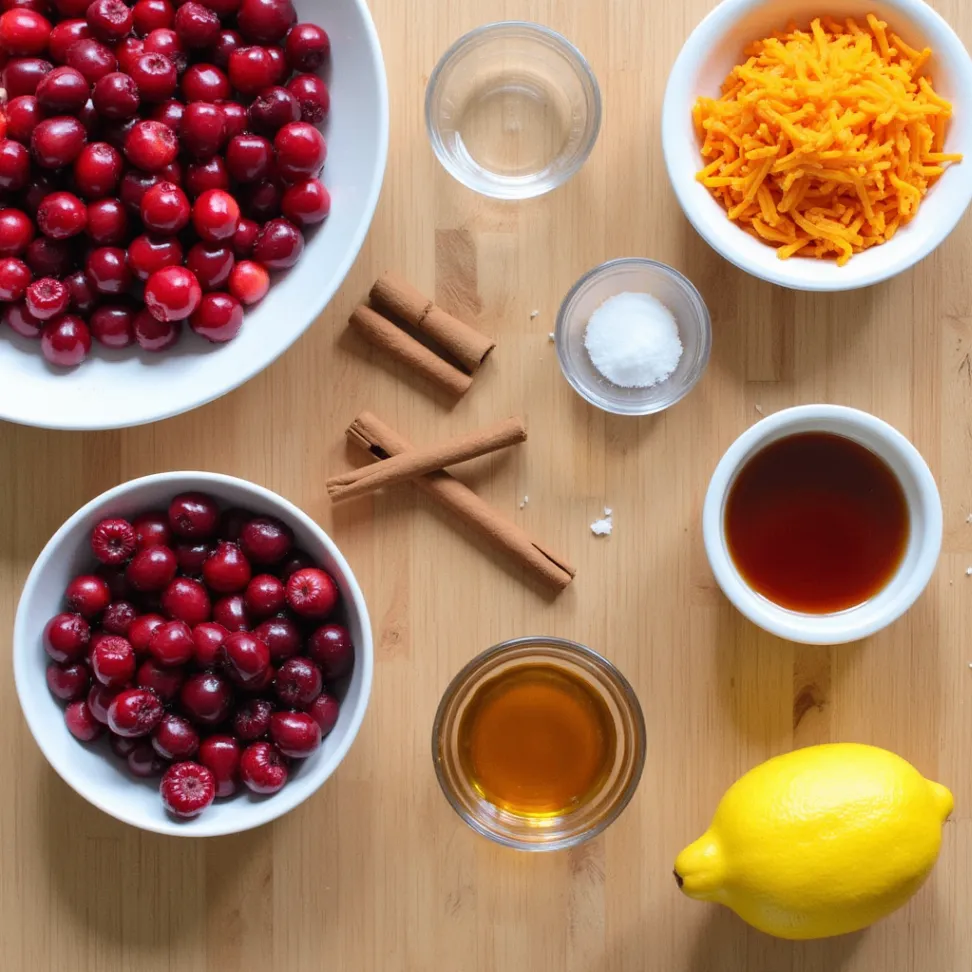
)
(539, 743)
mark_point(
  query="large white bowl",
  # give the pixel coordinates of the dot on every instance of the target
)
(710, 53)
(114, 389)
(92, 770)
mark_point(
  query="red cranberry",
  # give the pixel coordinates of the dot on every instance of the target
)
(221, 756)
(218, 318)
(263, 768)
(23, 114)
(21, 75)
(107, 222)
(121, 746)
(63, 91)
(266, 21)
(65, 341)
(312, 593)
(128, 52)
(261, 200)
(110, 20)
(196, 25)
(187, 789)
(165, 208)
(108, 271)
(68, 682)
(301, 150)
(144, 762)
(112, 325)
(280, 69)
(298, 683)
(164, 682)
(81, 723)
(66, 637)
(212, 266)
(187, 600)
(153, 334)
(172, 294)
(147, 255)
(16, 231)
(49, 257)
(249, 157)
(230, 612)
(91, 58)
(165, 41)
(208, 639)
(266, 540)
(97, 170)
(174, 738)
(231, 523)
(226, 42)
(134, 712)
(273, 108)
(245, 236)
(206, 698)
(62, 215)
(193, 515)
(113, 661)
(114, 577)
(296, 734)
(295, 560)
(115, 96)
(19, 320)
(24, 32)
(82, 294)
(324, 710)
(278, 245)
(306, 47)
(203, 129)
(171, 644)
(116, 132)
(58, 141)
(149, 15)
(150, 146)
(281, 636)
(251, 69)
(227, 570)
(247, 657)
(224, 8)
(330, 646)
(63, 36)
(236, 118)
(88, 595)
(264, 596)
(252, 719)
(113, 541)
(15, 277)
(170, 113)
(306, 203)
(99, 698)
(205, 82)
(14, 165)
(191, 557)
(140, 631)
(47, 298)
(118, 617)
(152, 530)
(152, 569)
(249, 282)
(215, 215)
(210, 174)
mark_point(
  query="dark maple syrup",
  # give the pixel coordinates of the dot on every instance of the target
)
(536, 740)
(817, 523)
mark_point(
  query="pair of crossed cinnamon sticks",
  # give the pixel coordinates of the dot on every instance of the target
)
(400, 461)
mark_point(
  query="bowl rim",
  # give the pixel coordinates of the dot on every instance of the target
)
(824, 629)
(680, 87)
(317, 302)
(262, 812)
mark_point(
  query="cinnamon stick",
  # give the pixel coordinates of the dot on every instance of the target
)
(395, 341)
(418, 462)
(372, 435)
(399, 298)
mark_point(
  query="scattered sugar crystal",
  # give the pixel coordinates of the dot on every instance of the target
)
(603, 526)
(550, 337)
(534, 315)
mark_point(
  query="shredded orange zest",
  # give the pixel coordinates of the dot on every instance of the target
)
(825, 142)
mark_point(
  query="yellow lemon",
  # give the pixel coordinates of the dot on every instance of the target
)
(819, 842)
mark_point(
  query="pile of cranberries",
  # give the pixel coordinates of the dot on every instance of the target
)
(157, 162)
(204, 642)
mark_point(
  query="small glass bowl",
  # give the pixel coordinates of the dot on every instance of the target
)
(642, 276)
(602, 807)
(512, 110)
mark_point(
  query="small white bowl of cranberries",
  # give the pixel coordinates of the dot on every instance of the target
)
(163, 194)
(192, 654)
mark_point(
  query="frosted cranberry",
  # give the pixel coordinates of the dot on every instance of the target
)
(245, 236)
(62, 215)
(210, 174)
(208, 639)
(113, 661)
(118, 617)
(110, 20)
(91, 58)
(128, 52)
(99, 698)
(249, 157)
(65, 341)
(149, 15)
(88, 595)
(174, 738)
(63, 36)
(203, 129)
(14, 165)
(170, 113)
(312, 96)
(47, 298)
(298, 683)
(134, 712)
(68, 682)
(246, 656)
(147, 255)
(16, 231)
(144, 762)
(58, 141)
(296, 734)
(186, 600)
(215, 215)
(330, 646)
(301, 150)
(252, 719)
(21, 75)
(140, 631)
(23, 114)
(251, 69)
(263, 768)
(312, 593)
(14, 279)
(153, 334)
(97, 170)
(108, 271)
(48, 257)
(107, 222)
(266, 540)
(227, 570)
(24, 32)
(165, 208)
(235, 115)
(281, 636)
(172, 294)
(266, 21)
(278, 245)
(152, 569)
(63, 91)
(226, 42)
(264, 596)
(206, 698)
(205, 82)
(171, 644)
(212, 266)
(273, 108)
(187, 789)
(324, 710)
(192, 556)
(230, 612)
(152, 530)
(112, 325)
(305, 203)
(196, 25)
(115, 96)
(66, 637)
(164, 682)
(306, 47)
(218, 318)
(81, 723)
(261, 200)
(151, 146)
(221, 756)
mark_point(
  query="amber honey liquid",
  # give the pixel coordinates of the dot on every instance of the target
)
(536, 740)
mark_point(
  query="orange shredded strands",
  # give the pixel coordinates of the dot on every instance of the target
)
(825, 142)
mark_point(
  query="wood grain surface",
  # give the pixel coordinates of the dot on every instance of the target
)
(376, 873)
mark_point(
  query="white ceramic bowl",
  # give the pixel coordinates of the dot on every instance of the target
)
(114, 389)
(917, 565)
(92, 770)
(710, 53)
